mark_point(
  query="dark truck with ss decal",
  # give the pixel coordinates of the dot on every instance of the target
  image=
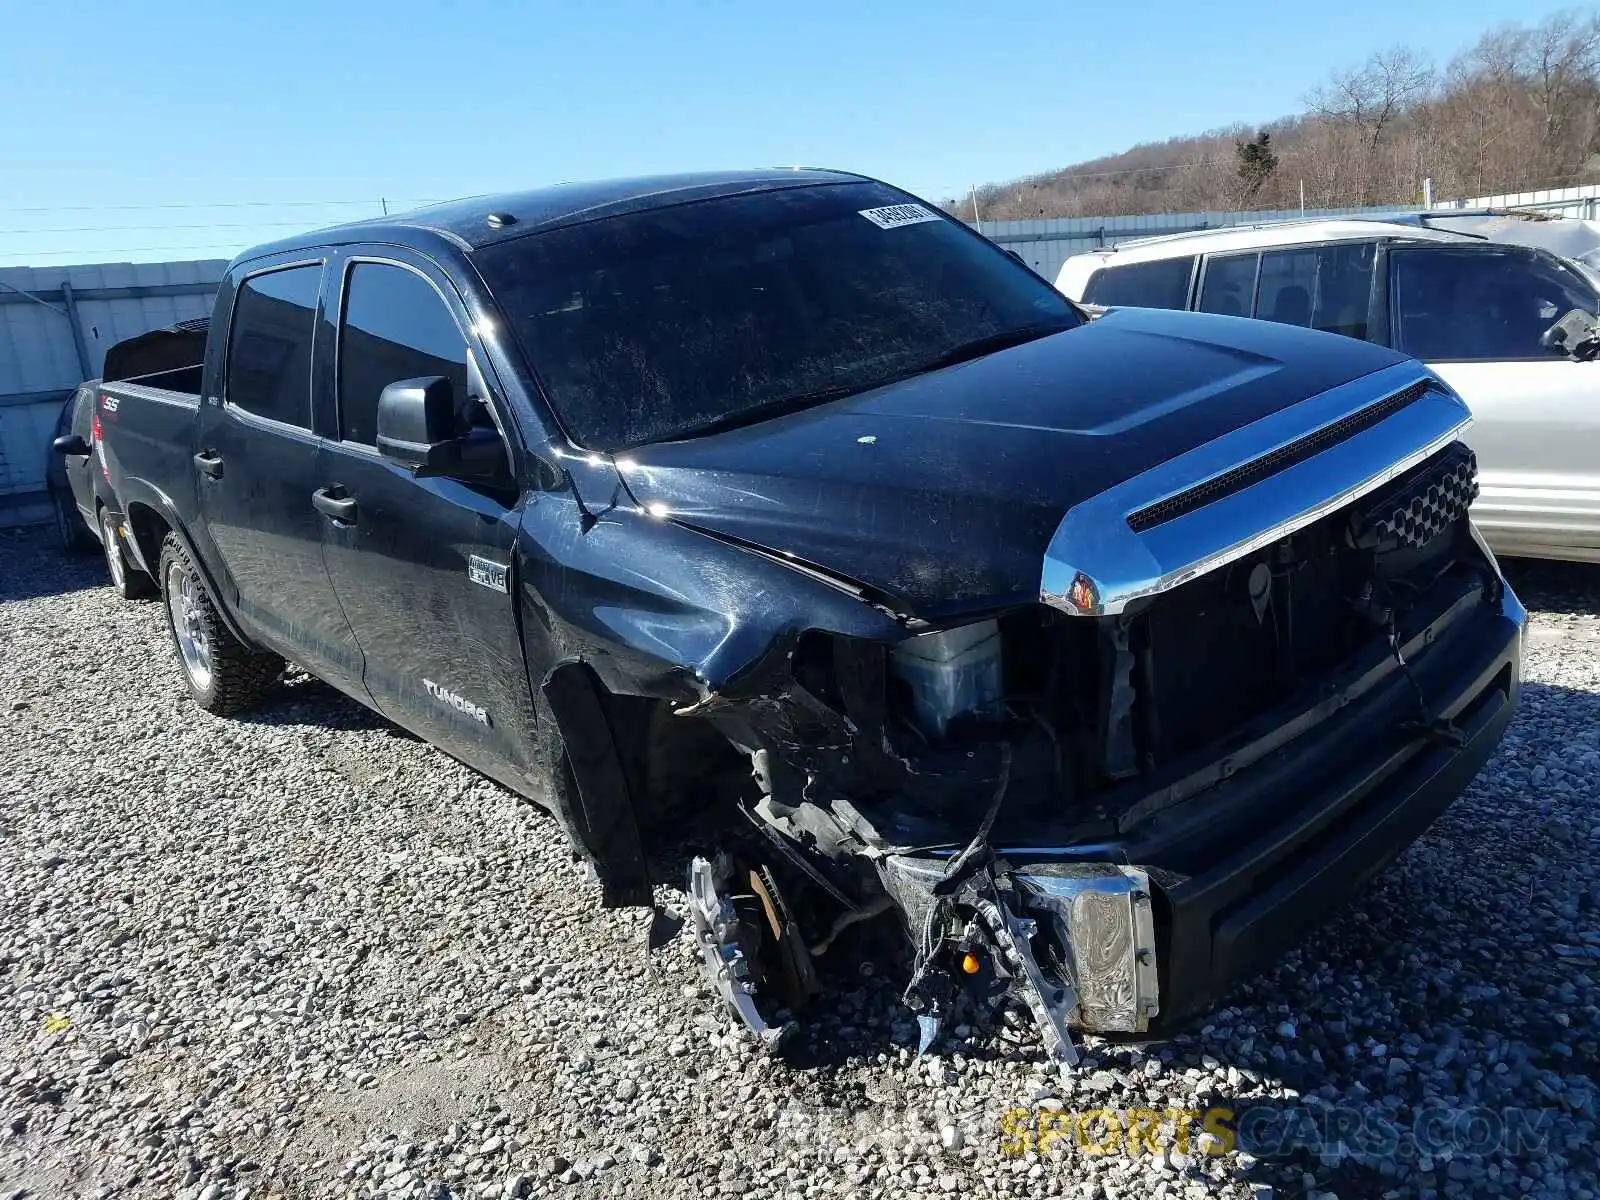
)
(1108, 656)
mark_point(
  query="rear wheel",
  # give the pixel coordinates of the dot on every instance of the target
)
(127, 580)
(224, 676)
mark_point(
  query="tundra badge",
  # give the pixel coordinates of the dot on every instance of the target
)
(485, 572)
(460, 703)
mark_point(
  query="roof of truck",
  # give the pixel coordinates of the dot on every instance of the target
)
(467, 222)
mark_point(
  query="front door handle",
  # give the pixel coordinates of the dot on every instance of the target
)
(209, 463)
(341, 509)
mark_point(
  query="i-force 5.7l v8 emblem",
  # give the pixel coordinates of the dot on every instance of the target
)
(485, 572)
(460, 703)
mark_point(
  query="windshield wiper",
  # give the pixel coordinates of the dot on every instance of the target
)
(784, 405)
(780, 407)
(989, 344)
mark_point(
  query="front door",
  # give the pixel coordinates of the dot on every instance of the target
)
(423, 567)
(256, 469)
(1475, 314)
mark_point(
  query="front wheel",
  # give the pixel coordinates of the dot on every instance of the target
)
(224, 675)
(126, 579)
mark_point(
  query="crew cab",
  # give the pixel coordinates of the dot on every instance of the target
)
(1107, 655)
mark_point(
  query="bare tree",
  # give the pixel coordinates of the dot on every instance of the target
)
(1370, 99)
(1520, 109)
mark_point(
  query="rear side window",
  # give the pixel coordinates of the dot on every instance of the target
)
(1160, 284)
(1288, 281)
(396, 326)
(1323, 287)
(269, 347)
(1229, 285)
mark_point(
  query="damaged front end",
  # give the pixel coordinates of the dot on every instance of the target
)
(1049, 797)
(1072, 943)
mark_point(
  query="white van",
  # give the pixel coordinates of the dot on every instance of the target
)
(1480, 313)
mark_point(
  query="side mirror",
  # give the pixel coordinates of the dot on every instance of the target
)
(70, 444)
(417, 421)
(420, 427)
(1577, 335)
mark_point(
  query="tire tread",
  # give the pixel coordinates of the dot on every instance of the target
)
(240, 674)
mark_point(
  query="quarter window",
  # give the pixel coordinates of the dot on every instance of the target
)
(396, 326)
(269, 348)
(1160, 284)
(1481, 303)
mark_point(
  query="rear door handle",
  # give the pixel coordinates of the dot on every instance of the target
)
(341, 509)
(210, 464)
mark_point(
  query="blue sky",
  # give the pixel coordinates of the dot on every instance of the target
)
(129, 135)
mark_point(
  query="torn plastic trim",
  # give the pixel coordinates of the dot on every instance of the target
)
(1096, 971)
(1096, 564)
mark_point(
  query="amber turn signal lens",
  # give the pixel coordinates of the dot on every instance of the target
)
(1083, 595)
(970, 963)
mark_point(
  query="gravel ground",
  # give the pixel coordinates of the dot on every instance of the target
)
(304, 954)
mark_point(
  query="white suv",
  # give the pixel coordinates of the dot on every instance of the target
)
(1478, 312)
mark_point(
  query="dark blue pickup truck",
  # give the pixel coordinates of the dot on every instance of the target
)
(1107, 655)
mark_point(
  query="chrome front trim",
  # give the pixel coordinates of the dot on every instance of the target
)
(1095, 559)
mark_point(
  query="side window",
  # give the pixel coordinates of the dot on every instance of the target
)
(269, 346)
(1229, 285)
(1160, 284)
(1344, 288)
(1324, 287)
(1288, 281)
(1481, 303)
(395, 326)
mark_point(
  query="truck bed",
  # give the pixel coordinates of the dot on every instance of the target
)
(147, 435)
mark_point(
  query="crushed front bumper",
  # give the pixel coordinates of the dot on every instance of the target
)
(1207, 882)
(1373, 799)
(1135, 935)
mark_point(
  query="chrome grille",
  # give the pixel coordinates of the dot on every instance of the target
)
(1284, 457)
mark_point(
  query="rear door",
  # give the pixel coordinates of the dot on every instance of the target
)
(423, 567)
(1475, 314)
(1328, 286)
(256, 470)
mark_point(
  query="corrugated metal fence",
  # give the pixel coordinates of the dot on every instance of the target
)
(1580, 202)
(55, 326)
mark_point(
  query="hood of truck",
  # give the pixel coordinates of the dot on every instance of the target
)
(941, 492)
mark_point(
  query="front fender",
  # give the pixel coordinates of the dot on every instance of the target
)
(659, 609)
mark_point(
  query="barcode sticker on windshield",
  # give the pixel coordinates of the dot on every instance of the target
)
(897, 215)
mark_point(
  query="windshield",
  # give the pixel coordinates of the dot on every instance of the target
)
(671, 322)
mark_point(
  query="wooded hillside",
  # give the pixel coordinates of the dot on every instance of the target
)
(1517, 111)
